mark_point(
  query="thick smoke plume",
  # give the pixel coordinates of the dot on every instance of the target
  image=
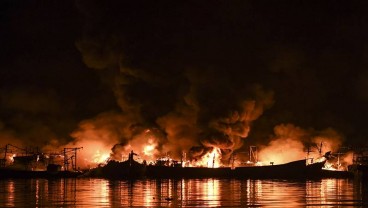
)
(189, 107)
(170, 77)
(30, 121)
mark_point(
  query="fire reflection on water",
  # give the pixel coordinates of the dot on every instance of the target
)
(253, 191)
(182, 193)
(10, 199)
(320, 193)
(165, 192)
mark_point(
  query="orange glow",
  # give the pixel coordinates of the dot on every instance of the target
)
(329, 166)
(11, 158)
(259, 163)
(99, 157)
(149, 148)
(211, 193)
(92, 154)
(282, 151)
(210, 159)
(11, 196)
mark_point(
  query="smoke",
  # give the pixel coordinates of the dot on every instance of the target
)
(101, 133)
(171, 77)
(187, 106)
(181, 77)
(7, 136)
(29, 118)
(180, 126)
(291, 142)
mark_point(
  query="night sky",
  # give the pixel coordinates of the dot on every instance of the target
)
(197, 73)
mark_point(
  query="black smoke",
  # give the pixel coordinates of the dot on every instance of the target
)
(204, 73)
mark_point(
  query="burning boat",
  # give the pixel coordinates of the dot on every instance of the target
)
(179, 170)
(295, 169)
(30, 163)
(336, 167)
(166, 167)
(128, 169)
(304, 168)
(210, 167)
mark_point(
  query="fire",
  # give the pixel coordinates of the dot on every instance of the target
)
(11, 158)
(211, 159)
(99, 157)
(259, 163)
(329, 166)
(148, 149)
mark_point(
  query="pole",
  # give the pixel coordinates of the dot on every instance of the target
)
(213, 161)
(6, 151)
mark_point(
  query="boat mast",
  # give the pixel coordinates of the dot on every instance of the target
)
(253, 154)
(73, 158)
(3, 161)
(213, 160)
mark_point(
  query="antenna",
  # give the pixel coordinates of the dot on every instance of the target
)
(320, 149)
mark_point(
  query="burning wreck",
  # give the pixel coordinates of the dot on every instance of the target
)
(20, 163)
(31, 163)
(129, 169)
(188, 155)
(166, 167)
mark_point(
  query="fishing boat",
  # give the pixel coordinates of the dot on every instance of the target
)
(295, 169)
(31, 166)
(304, 168)
(337, 168)
(31, 163)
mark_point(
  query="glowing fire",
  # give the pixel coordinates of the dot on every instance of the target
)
(329, 166)
(11, 158)
(99, 157)
(333, 166)
(211, 159)
(149, 148)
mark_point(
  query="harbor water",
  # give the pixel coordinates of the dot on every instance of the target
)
(87, 192)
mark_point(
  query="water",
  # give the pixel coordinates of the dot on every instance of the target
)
(88, 192)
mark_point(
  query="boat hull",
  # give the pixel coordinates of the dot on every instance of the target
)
(295, 169)
(119, 170)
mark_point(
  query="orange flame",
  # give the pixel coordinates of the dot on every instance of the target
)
(211, 159)
(11, 158)
(149, 148)
(100, 157)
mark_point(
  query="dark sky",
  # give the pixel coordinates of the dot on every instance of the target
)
(218, 71)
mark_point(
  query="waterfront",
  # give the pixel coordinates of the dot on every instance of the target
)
(85, 192)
